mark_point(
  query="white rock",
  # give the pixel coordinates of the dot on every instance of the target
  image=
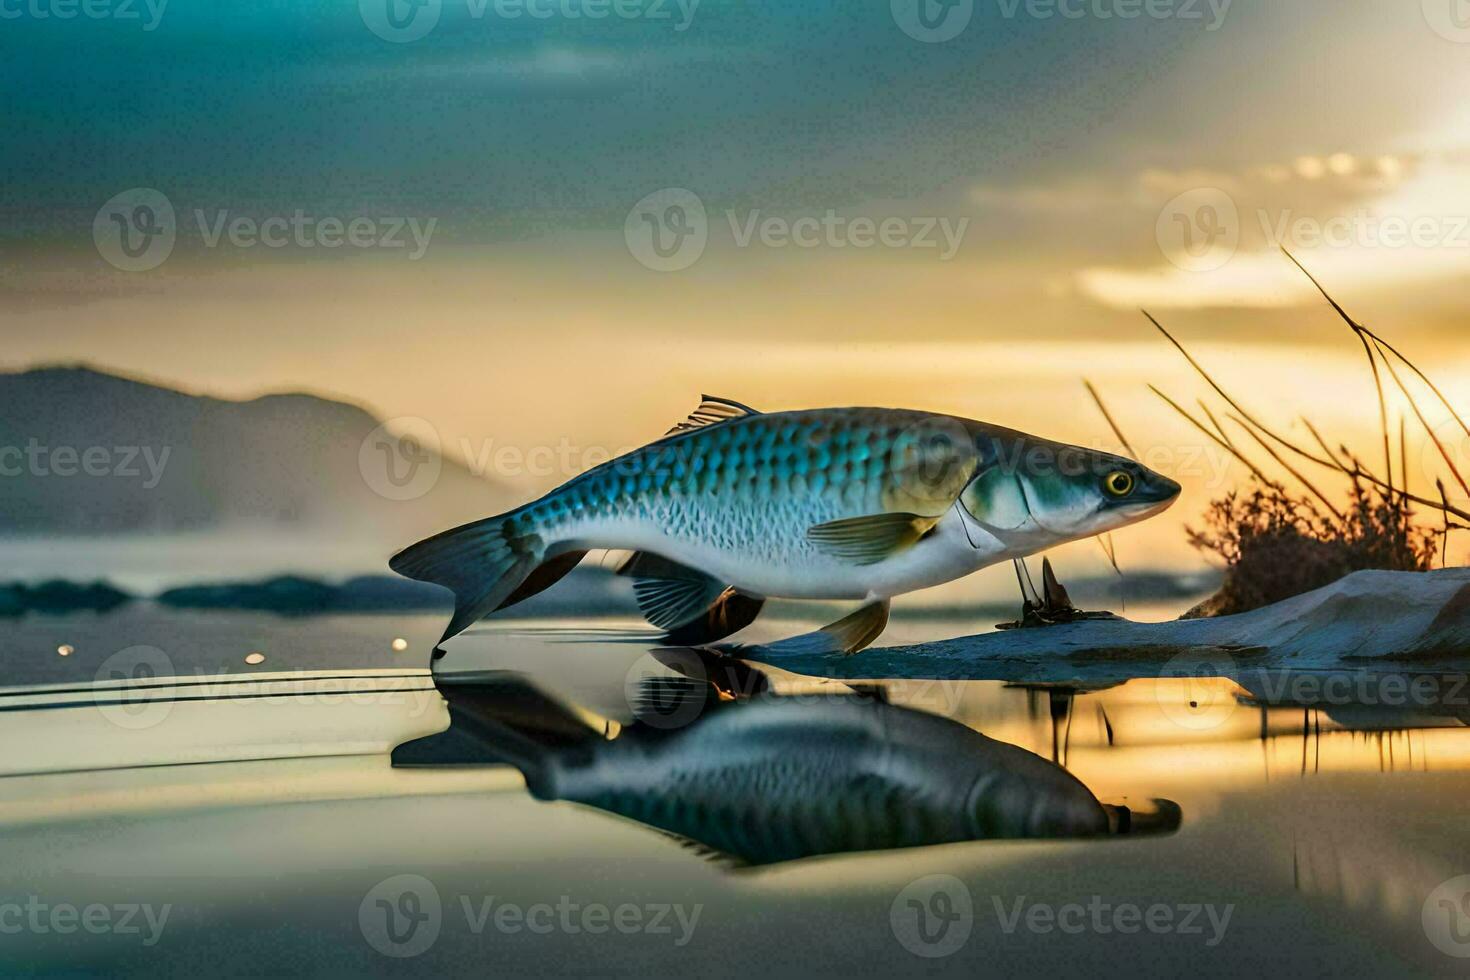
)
(1395, 615)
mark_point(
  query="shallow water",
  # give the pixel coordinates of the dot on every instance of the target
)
(1319, 831)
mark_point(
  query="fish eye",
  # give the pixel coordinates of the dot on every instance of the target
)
(1118, 483)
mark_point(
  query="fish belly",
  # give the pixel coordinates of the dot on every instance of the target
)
(763, 550)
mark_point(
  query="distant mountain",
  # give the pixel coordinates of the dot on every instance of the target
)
(83, 452)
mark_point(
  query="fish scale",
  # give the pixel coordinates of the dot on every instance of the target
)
(750, 487)
(791, 807)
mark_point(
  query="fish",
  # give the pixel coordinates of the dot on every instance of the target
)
(774, 778)
(735, 506)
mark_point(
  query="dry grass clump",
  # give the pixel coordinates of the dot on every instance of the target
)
(1277, 542)
(1276, 546)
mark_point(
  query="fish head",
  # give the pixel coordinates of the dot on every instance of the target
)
(1012, 805)
(1033, 493)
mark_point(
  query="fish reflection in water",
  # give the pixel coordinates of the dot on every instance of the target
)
(766, 778)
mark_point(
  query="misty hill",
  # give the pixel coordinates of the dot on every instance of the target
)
(83, 452)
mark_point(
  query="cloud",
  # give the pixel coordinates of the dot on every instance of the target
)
(1379, 221)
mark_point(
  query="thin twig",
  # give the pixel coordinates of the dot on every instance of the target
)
(1444, 541)
(1255, 470)
(1445, 507)
(1101, 407)
(1434, 436)
(1110, 548)
(1403, 437)
(1422, 377)
(1359, 330)
(1231, 401)
(1213, 421)
(1106, 541)
(1287, 466)
(1323, 443)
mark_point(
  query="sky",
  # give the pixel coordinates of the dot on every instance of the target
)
(551, 224)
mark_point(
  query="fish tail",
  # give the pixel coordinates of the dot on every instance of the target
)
(482, 563)
(501, 717)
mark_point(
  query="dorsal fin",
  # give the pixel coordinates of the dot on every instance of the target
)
(723, 860)
(712, 410)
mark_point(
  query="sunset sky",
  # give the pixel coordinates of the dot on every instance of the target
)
(1069, 154)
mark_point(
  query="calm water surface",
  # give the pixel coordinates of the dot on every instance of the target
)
(1319, 829)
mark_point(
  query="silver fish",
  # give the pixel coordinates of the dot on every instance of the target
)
(837, 503)
(778, 778)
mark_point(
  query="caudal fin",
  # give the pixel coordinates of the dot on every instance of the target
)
(483, 563)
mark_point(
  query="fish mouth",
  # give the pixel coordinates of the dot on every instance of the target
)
(1144, 511)
(1157, 496)
(1166, 489)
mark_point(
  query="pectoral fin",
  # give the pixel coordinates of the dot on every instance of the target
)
(731, 613)
(869, 540)
(671, 602)
(689, 605)
(848, 635)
